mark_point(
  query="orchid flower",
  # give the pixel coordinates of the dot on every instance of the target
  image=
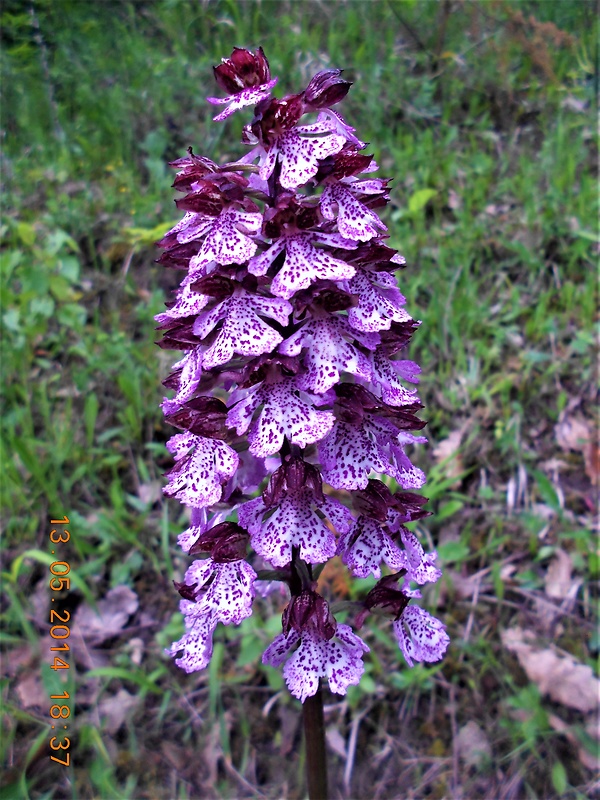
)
(289, 322)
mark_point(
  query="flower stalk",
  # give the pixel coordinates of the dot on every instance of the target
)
(292, 384)
(314, 737)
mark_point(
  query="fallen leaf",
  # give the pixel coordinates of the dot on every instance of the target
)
(110, 619)
(589, 760)
(558, 578)
(572, 433)
(577, 434)
(31, 693)
(447, 453)
(115, 709)
(336, 742)
(473, 745)
(149, 493)
(561, 677)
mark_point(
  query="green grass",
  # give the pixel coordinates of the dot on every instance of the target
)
(486, 126)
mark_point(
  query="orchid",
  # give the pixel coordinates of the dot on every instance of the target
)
(289, 387)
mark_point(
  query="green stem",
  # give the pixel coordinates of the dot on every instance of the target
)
(314, 735)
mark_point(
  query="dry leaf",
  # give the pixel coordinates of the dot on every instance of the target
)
(336, 742)
(558, 578)
(113, 612)
(577, 434)
(467, 586)
(150, 493)
(589, 760)
(31, 693)
(473, 745)
(561, 677)
(114, 710)
(572, 433)
(447, 451)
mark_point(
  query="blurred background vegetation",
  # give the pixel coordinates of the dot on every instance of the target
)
(483, 113)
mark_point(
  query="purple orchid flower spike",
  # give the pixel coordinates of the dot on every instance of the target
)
(292, 383)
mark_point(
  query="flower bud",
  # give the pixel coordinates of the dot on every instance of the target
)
(204, 416)
(243, 70)
(309, 609)
(326, 88)
(385, 596)
(374, 501)
(225, 542)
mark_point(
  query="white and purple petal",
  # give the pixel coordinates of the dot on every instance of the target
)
(300, 155)
(286, 415)
(294, 523)
(196, 643)
(338, 659)
(247, 97)
(304, 264)
(386, 374)
(243, 331)
(229, 589)
(228, 240)
(354, 219)
(379, 303)
(327, 353)
(364, 548)
(421, 637)
(420, 566)
(196, 480)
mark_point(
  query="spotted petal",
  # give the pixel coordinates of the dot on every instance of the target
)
(387, 375)
(338, 659)
(191, 373)
(365, 546)
(247, 97)
(189, 303)
(196, 479)
(228, 240)
(243, 331)
(285, 414)
(350, 452)
(294, 523)
(327, 352)
(420, 567)
(196, 643)
(354, 219)
(300, 155)
(421, 637)
(304, 264)
(348, 455)
(227, 590)
(379, 303)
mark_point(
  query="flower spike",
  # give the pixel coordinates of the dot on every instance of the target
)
(292, 392)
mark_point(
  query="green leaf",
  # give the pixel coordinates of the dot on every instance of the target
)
(420, 199)
(453, 551)
(448, 509)
(559, 778)
(26, 233)
(90, 414)
(546, 490)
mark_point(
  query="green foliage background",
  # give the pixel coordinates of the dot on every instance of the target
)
(482, 113)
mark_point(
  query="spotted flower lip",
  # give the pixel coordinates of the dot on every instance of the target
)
(293, 394)
(334, 652)
(421, 637)
(297, 520)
